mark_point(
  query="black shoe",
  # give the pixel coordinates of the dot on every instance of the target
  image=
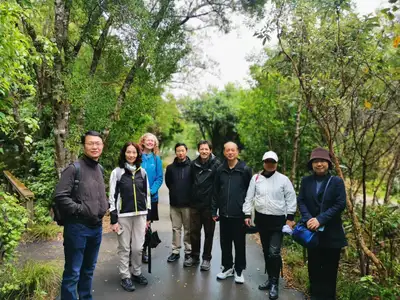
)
(173, 257)
(265, 286)
(145, 258)
(127, 285)
(140, 279)
(274, 292)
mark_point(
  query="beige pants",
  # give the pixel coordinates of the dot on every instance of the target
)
(180, 216)
(132, 237)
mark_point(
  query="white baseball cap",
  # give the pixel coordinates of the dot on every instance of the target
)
(270, 155)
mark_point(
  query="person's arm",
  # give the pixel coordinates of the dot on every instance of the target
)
(305, 214)
(168, 177)
(112, 197)
(249, 175)
(63, 193)
(249, 200)
(290, 200)
(338, 206)
(159, 177)
(215, 196)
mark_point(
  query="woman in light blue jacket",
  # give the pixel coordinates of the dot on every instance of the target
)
(151, 162)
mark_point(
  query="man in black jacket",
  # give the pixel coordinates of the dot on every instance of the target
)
(230, 186)
(83, 215)
(178, 181)
(203, 169)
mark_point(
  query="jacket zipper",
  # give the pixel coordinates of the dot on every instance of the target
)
(134, 191)
(229, 195)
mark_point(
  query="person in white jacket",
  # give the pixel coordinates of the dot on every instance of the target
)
(272, 196)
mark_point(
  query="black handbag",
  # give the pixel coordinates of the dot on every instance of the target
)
(151, 239)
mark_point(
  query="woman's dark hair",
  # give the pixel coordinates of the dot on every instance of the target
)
(122, 159)
(90, 133)
(179, 145)
(204, 142)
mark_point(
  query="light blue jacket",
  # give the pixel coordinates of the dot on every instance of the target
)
(153, 166)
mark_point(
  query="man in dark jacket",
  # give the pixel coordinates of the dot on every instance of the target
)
(83, 215)
(178, 181)
(230, 186)
(203, 169)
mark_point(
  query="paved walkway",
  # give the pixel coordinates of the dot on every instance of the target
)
(170, 280)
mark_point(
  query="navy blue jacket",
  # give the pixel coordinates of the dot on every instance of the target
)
(179, 183)
(329, 215)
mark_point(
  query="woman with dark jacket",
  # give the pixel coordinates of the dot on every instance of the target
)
(129, 204)
(321, 200)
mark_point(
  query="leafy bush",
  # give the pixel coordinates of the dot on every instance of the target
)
(42, 232)
(43, 176)
(33, 280)
(366, 288)
(13, 218)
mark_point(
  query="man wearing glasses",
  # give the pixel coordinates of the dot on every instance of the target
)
(81, 199)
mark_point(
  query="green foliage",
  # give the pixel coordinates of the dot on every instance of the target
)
(216, 114)
(35, 280)
(16, 52)
(43, 178)
(13, 218)
(366, 288)
(42, 232)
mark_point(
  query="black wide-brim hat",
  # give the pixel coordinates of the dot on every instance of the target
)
(319, 153)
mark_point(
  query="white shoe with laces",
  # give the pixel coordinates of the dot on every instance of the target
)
(239, 278)
(225, 274)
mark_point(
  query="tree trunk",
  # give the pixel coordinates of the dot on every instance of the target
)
(364, 189)
(100, 46)
(392, 176)
(61, 108)
(296, 144)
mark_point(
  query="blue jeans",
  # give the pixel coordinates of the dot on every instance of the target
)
(81, 248)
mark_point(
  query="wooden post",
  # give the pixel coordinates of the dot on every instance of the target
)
(23, 193)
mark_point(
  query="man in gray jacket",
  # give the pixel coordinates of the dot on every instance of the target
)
(82, 209)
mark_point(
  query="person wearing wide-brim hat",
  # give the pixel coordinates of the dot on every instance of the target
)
(321, 200)
(272, 196)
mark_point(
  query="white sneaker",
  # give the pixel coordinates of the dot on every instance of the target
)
(239, 279)
(223, 275)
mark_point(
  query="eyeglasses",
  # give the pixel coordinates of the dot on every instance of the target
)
(92, 144)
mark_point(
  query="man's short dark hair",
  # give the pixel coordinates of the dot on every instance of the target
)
(90, 133)
(179, 145)
(204, 142)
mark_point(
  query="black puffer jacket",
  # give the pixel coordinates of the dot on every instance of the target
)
(230, 188)
(178, 181)
(203, 181)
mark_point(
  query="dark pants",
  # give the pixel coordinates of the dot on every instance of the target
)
(270, 229)
(322, 271)
(232, 230)
(271, 243)
(81, 248)
(198, 219)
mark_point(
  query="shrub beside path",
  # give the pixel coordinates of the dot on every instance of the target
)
(169, 280)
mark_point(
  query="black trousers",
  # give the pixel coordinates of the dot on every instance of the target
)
(271, 241)
(232, 231)
(323, 266)
(198, 219)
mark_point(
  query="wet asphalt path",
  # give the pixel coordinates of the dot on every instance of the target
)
(171, 280)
